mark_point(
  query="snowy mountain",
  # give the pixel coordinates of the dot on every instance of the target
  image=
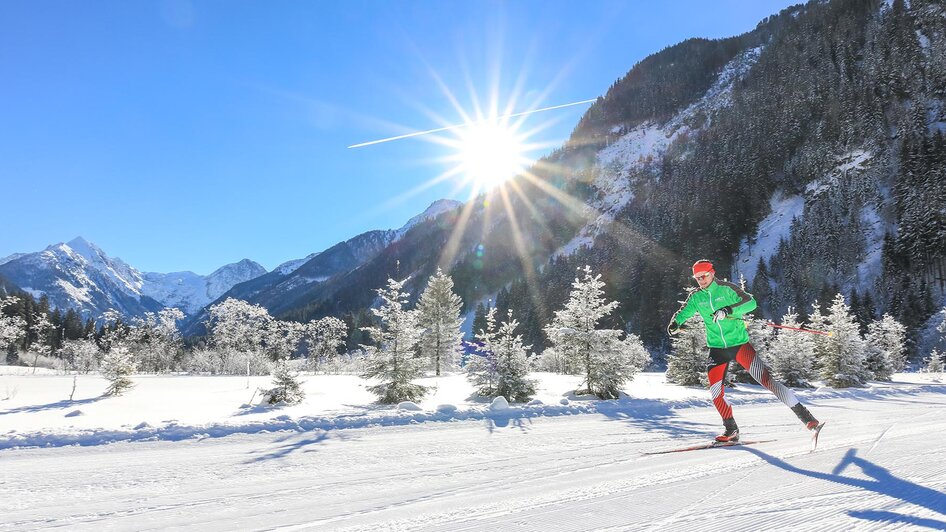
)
(80, 275)
(433, 211)
(191, 292)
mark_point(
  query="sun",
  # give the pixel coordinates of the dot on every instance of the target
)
(489, 153)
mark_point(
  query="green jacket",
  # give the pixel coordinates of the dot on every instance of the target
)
(719, 294)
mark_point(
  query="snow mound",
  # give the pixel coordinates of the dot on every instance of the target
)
(75, 413)
(500, 403)
(409, 406)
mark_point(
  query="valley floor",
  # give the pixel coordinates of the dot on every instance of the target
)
(879, 467)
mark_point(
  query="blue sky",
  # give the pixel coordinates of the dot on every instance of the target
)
(184, 135)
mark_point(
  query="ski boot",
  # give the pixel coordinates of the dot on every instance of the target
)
(731, 434)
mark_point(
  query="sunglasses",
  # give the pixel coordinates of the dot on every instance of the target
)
(701, 276)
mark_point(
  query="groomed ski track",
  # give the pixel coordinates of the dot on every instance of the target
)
(879, 466)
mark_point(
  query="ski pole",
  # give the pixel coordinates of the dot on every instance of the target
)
(799, 329)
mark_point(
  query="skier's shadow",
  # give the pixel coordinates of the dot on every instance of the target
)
(501, 420)
(881, 482)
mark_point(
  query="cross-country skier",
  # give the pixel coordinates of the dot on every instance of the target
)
(728, 340)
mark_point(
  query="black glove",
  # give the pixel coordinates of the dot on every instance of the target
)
(673, 328)
(722, 313)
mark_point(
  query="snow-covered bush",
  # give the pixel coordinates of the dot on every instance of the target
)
(439, 318)
(551, 360)
(392, 360)
(204, 360)
(606, 360)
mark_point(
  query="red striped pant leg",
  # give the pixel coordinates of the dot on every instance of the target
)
(747, 358)
(716, 374)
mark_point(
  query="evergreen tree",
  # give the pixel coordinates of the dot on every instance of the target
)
(843, 362)
(792, 353)
(606, 360)
(117, 367)
(934, 363)
(439, 317)
(286, 386)
(482, 369)
(886, 347)
(762, 289)
(686, 365)
(512, 363)
(12, 328)
(392, 361)
(479, 318)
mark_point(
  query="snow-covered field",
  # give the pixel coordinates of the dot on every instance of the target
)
(186, 452)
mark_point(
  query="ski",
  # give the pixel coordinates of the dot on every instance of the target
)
(711, 445)
(814, 437)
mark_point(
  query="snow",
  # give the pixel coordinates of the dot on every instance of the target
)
(772, 229)
(290, 266)
(434, 210)
(80, 294)
(529, 467)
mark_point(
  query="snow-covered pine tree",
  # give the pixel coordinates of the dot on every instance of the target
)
(118, 363)
(12, 328)
(512, 363)
(792, 353)
(324, 337)
(606, 360)
(885, 347)
(439, 318)
(818, 322)
(843, 362)
(392, 361)
(286, 386)
(117, 367)
(934, 363)
(481, 369)
(686, 364)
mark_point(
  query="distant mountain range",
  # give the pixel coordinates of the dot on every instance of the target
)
(80, 275)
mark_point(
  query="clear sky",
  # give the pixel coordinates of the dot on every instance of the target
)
(184, 135)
